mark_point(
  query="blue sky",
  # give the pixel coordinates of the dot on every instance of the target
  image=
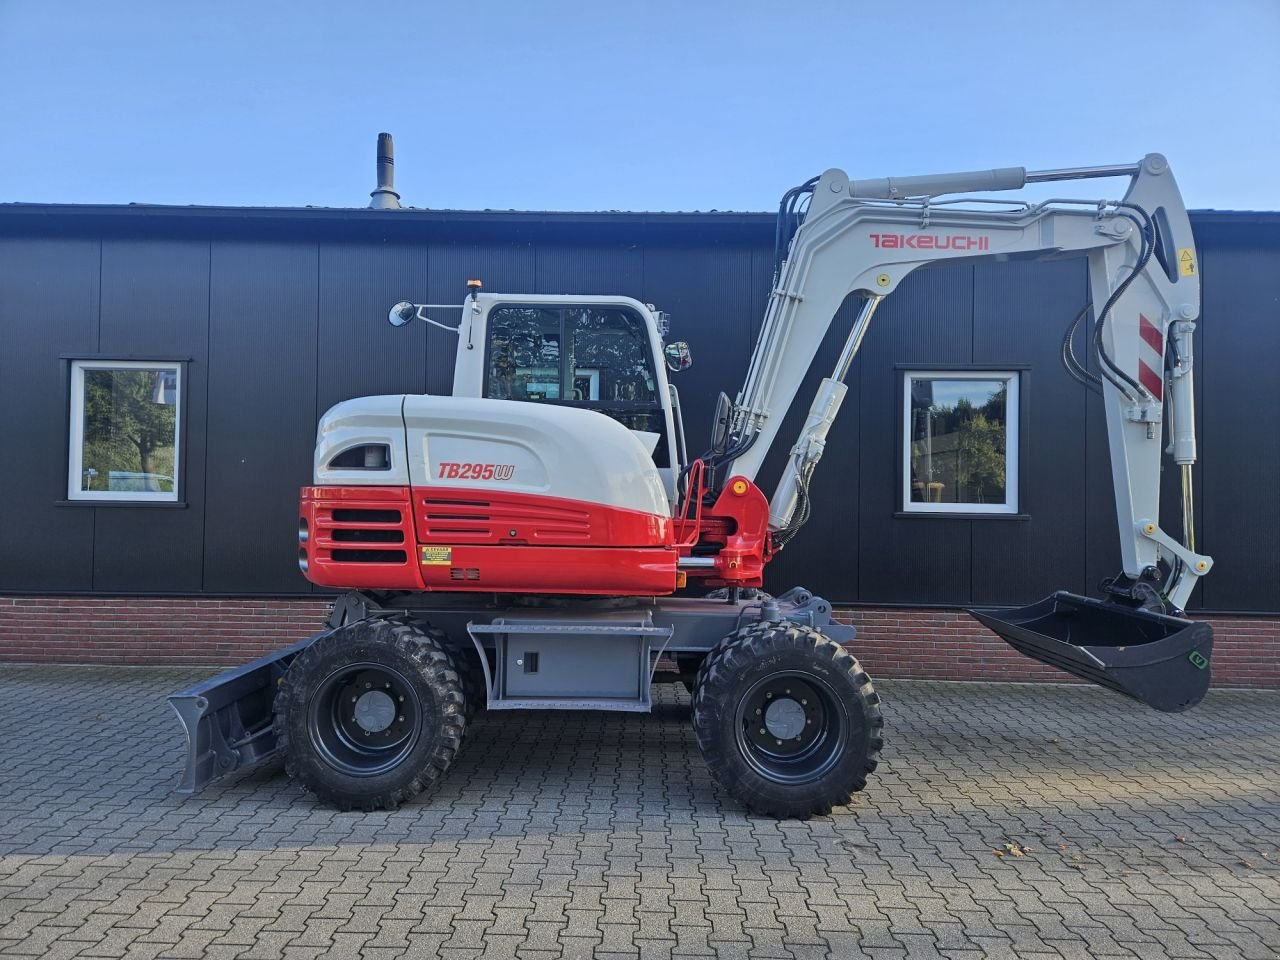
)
(641, 106)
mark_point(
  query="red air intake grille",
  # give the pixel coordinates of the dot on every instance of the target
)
(491, 520)
(365, 535)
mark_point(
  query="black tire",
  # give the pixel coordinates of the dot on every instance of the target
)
(390, 672)
(470, 674)
(465, 660)
(810, 686)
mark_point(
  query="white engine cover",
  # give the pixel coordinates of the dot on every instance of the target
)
(535, 448)
(501, 445)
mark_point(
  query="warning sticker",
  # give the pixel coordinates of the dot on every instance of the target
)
(437, 556)
(1186, 262)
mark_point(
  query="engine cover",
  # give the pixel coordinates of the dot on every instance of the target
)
(530, 448)
(491, 495)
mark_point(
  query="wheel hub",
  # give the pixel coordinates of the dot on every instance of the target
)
(375, 711)
(364, 718)
(791, 727)
(784, 719)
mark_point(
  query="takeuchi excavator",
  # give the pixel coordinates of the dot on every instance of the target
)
(532, 541)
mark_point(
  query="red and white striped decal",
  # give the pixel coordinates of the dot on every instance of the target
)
(1151, 357)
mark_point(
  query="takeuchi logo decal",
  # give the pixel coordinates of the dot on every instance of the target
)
(929, 241)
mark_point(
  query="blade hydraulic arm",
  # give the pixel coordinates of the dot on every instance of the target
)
(862, 238)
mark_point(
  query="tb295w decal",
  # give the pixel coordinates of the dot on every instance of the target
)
(476, 471)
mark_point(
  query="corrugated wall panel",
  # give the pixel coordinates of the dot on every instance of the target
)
(360, 353)
(262, 369)
(48, 307)
(501, 267)
(1240, 427)
(1021, 311)
(598, 269)
(707, 293)
(155, 302)
(929, 320)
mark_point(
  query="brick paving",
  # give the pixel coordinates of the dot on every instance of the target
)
(579, 835)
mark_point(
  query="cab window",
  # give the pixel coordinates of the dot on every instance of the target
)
(588, 356)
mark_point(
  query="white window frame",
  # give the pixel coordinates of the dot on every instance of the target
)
(1012, 406)
(75, 460)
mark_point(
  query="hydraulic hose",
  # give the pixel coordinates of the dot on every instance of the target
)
(1118, 377)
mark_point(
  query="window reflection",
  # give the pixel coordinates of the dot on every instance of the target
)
(958, 436)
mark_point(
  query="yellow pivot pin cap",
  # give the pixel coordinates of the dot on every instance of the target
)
(739, 487)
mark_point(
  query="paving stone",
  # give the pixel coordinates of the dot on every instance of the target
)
(598, 835)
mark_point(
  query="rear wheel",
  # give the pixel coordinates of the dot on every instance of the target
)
(370, 714)
(787, 720)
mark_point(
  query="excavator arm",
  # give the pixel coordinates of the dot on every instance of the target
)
(863, 238)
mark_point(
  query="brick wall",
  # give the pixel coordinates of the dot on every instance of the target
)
(917, 644)
(151, 631)
(950, 644)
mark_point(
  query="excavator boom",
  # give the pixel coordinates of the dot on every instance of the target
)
(862, 238)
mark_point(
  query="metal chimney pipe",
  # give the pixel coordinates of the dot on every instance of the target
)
(385, 196)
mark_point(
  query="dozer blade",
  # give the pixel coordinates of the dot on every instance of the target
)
(1161, 660)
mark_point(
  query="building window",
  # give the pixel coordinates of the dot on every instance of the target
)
(961, 442)
(125, 418)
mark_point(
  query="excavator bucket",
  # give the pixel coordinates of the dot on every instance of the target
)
(1161, 660)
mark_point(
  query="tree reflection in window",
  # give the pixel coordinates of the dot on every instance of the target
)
(125, 429)
(959, 441)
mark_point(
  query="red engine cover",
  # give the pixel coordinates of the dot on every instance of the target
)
(394, 538)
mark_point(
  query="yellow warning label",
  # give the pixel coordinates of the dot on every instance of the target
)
(437, 556)
(1186, 262)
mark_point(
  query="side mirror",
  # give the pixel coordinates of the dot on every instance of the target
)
(720, 424)
(402, 313)
(678, 356)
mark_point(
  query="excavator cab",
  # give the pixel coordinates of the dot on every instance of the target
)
(1159, 660)
(594, 353)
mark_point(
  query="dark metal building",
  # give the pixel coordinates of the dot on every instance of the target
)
(275, 314)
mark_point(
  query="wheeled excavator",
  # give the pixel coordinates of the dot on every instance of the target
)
(531, 541)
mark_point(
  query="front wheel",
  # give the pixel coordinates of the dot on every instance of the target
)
(787, 720)
(370, 714)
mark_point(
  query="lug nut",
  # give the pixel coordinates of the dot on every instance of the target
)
(762, 731)
(757, 711)
(402, 699)
(354, 699)
(402, 719)
(779, 743)
(768, 696)
(368, 686)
